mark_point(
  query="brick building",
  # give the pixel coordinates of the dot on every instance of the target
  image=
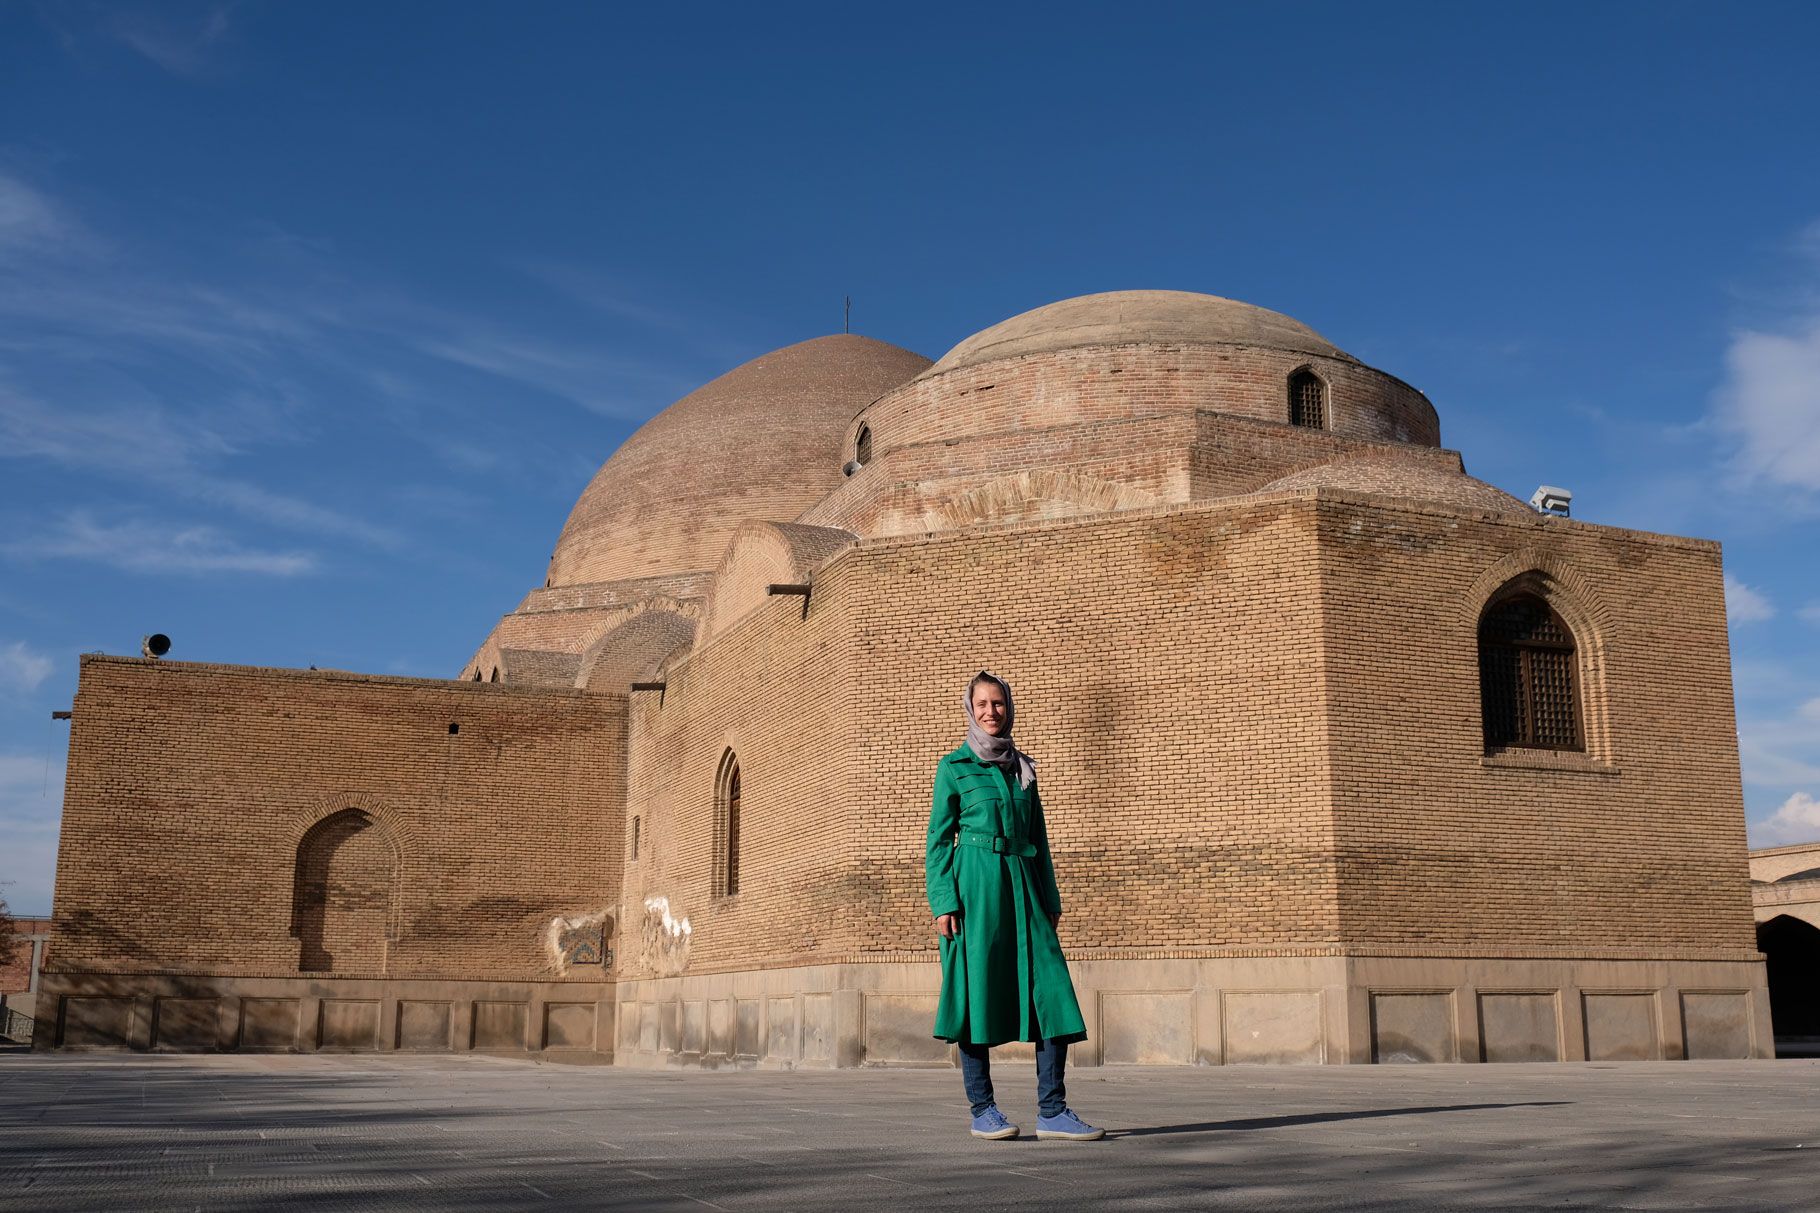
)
(1346, 756)
(1785, 894)
(19, 976)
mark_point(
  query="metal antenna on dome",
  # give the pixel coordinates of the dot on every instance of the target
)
(847, 327)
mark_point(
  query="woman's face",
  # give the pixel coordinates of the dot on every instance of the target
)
(989, 706)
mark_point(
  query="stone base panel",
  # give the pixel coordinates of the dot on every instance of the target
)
(1217, 1011)
(1224, 1011)
(193, 1014)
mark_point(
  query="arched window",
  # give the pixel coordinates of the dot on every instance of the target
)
(495, 677)
(1528, 679)
(341, 898)
(1307, 400)
(862, 446)
(476, 673)
(635, 832)
(726, 827)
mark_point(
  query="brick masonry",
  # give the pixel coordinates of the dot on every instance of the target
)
(1244, 654)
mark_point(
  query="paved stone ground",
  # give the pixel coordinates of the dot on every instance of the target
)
(446, 1132)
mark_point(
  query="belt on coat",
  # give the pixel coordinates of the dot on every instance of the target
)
(998, 843)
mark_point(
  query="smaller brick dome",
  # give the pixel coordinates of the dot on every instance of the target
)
(1401, 476)
(764, 441)
(1126, 317)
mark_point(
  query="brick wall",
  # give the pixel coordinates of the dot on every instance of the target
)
(1257, 727)
(16, 975)
(1640, 842)
(191, 788)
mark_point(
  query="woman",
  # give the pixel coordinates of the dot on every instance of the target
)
(992, 890)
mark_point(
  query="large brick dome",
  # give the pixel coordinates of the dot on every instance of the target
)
(763, 441)
(1127, 317)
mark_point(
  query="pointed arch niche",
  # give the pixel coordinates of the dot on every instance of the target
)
(344, 893)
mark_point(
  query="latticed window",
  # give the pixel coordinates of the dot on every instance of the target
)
(1527, 680)
(862, 446)
(1307, 400)
(726, 832)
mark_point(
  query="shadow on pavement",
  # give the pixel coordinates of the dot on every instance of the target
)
(1281, 1122)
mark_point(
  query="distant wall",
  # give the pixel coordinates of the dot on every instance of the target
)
(237, 821)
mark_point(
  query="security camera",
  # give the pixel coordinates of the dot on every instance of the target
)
(850, 467)
(1552, 500)
(155, 645)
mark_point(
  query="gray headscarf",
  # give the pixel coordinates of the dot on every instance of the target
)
(998, 751)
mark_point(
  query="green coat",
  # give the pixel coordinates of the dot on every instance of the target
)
(1003, 976)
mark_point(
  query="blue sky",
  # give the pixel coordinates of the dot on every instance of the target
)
(316, 318)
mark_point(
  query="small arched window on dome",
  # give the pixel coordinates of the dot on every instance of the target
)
(495, 675)
(726, 827)
(636, 823)
(1528, 676)
(862, 445)
(1307, 400)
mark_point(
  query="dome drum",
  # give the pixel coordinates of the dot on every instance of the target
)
(1083, 385)
(1169, 458)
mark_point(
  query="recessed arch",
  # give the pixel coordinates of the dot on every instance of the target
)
(862, 444)
(344, 893)
(728, 790)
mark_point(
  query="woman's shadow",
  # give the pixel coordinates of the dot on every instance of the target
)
(1314, 1118)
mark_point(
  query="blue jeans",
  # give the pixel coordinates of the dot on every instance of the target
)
(1051, 1060)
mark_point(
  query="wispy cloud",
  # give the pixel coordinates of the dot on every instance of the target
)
(149, 443)
(585, 377)
(1745, 605)
(1809, 613)
(193, 391)
(183, 47)
(1770, 405)
(22, 668)
(140, 546)
(31, 222)
(315, 313)
(1782, 751)
(1797, 819)
(289, 512)
(142, 374)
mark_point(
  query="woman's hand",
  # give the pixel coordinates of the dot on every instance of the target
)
(948, 925)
